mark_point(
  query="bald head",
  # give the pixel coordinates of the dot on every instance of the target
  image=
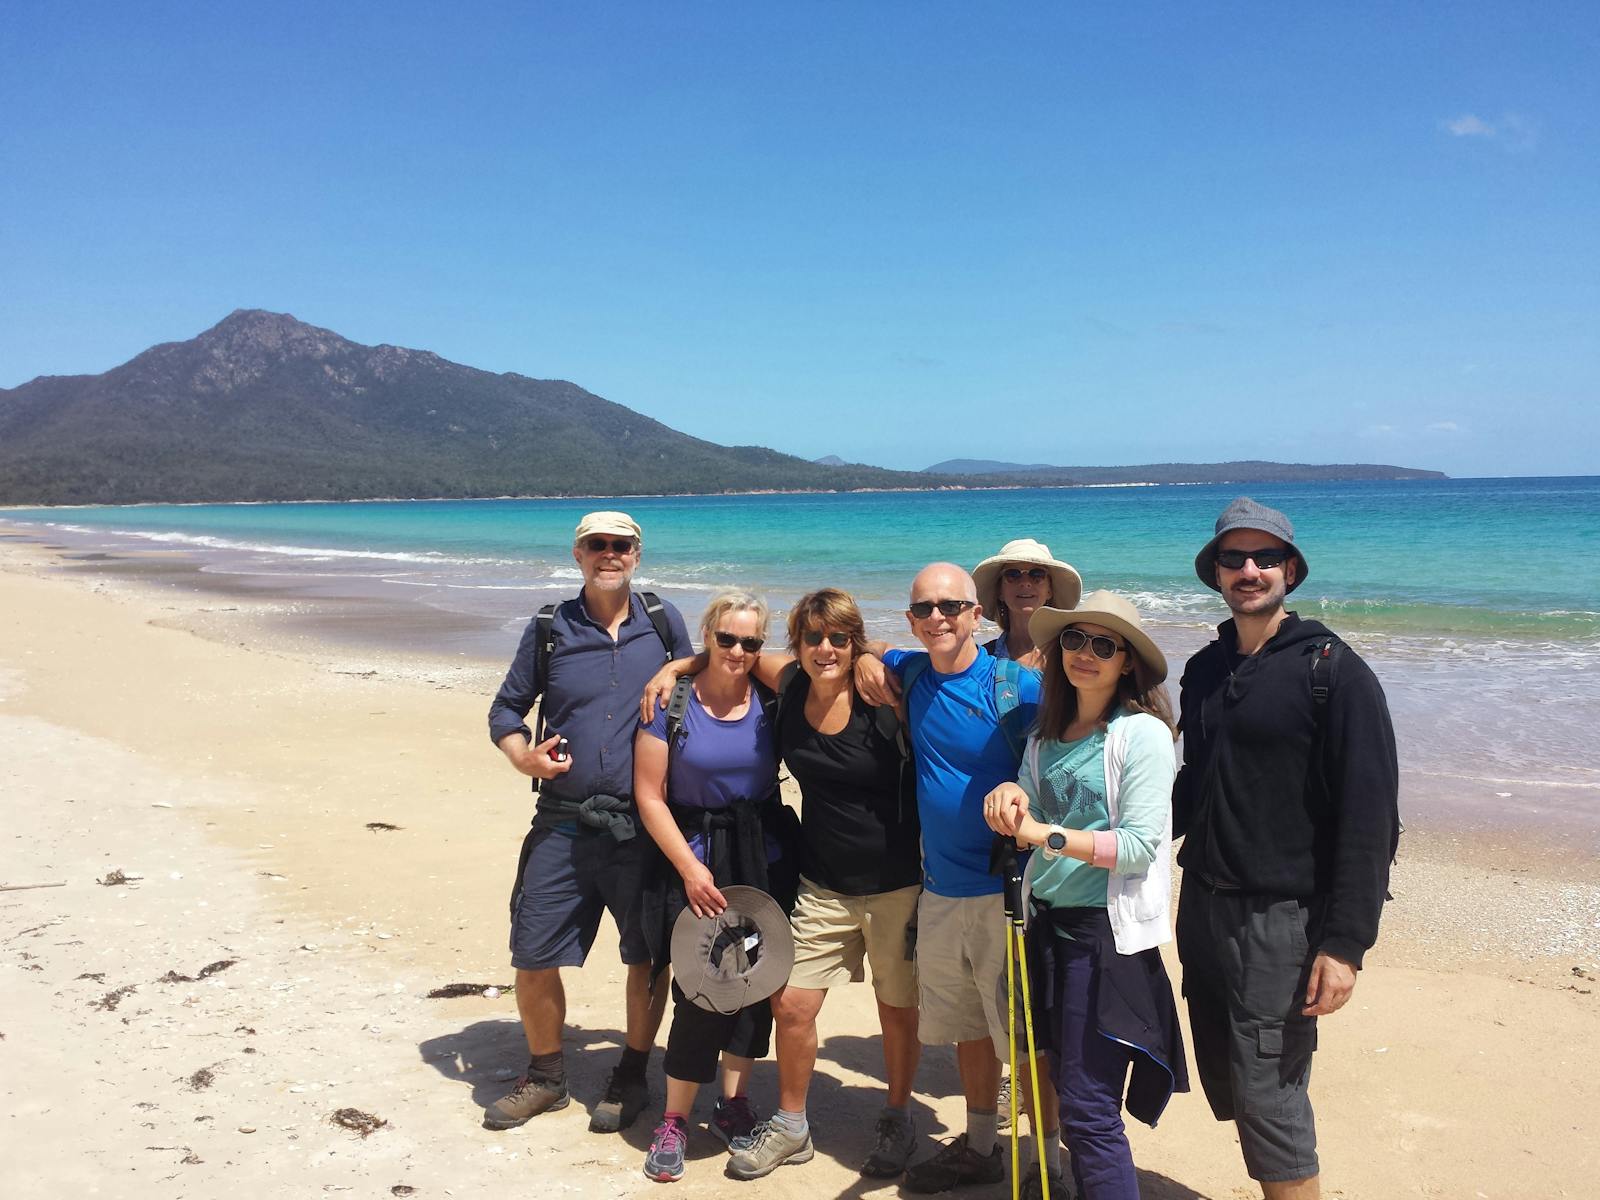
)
(947, 636)
(943, 581)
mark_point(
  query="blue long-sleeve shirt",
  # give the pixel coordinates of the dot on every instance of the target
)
(589, 690)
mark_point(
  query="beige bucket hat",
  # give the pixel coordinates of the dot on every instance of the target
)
(1101, 608)
(1066, 585)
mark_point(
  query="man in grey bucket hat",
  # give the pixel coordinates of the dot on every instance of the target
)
(1287, 806)
(1245, 513)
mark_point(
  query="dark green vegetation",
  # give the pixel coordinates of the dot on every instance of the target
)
(1251, 471)
(263, 407)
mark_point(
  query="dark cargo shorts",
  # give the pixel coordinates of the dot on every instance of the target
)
(568, 878)
(1246, 959)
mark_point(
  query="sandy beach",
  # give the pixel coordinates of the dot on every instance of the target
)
(237, 960)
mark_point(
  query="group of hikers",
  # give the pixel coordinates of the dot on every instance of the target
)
(921, 772)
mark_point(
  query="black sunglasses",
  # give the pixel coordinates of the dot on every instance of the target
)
(1104, 648)
(1264, 559)
(598, 545)
(923, 609)
(752, 645)
(813, 637)
(1014, 574)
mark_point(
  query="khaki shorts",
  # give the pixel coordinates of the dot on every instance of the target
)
(961, 970)
(834, 933)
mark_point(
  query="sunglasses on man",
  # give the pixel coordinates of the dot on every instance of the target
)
(1102, 647)
(1265, 560)
(752, 645)
(598, 545)
(836, 639)
(923, 609)
(1017, 574)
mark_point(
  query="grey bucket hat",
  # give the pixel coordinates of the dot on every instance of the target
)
(738, 957)
(1245, 513)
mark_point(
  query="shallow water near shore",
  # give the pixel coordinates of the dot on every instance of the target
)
(1474, 600)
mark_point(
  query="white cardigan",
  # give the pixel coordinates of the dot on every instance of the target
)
(1139, 905)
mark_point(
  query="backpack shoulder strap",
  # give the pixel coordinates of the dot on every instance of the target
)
(789, 689)
(657, 612)
(1324, 669)
(1008, 701)
(677, 707)
(544, 621)
(915, 666)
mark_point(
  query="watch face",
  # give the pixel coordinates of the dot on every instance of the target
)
(1056, 842)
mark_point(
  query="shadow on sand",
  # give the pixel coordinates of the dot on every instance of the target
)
(842, 1114)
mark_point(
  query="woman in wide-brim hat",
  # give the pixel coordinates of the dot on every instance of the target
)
(1095, 795)
(1016, 583)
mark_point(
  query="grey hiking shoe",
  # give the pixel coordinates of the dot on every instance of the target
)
(896, 1138)
(1003, 1102)
(766, 1149)
(625, 1099)
(955, 1165)
(528, 1099)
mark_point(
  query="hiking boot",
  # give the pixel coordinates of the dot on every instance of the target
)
(766, 1149)
(1031, 1189)
(896, 1138)
(625, 1100)
(954, 1166)
(663, 1162)
(1003, 1106)
(528, 1099)
(733, 1118)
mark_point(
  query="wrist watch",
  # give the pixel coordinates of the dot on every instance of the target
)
(1055, 842)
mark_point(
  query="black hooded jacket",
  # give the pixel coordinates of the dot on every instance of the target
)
(1254, 809)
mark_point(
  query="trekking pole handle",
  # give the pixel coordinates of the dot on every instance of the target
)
(1005, 862)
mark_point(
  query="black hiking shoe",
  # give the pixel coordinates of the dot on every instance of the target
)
(626, 1096)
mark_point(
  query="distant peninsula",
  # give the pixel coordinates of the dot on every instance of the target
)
(1246, 471)
(263, 407)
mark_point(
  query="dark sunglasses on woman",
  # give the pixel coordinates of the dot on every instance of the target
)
(813, 637)
(1016, 574)
(1102, 647)
(752, 645)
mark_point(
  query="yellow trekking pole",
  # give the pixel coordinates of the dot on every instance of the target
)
(1017, 965)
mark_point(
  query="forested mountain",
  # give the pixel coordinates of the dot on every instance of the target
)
(264, 407)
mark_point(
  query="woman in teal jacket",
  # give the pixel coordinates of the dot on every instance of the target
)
(1094, 796)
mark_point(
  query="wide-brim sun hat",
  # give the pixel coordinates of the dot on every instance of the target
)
(1107, 609)
(738, 957)
(618, 523)
(1066, 585)
(1245, 513)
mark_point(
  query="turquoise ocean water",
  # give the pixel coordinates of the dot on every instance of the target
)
(1478, 601)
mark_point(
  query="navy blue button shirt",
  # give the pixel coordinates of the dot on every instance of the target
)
(590, 692)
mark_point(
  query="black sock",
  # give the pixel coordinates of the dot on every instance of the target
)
(633, 1063)
(551, 1068)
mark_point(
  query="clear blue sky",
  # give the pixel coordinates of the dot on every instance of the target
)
(898, 232)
